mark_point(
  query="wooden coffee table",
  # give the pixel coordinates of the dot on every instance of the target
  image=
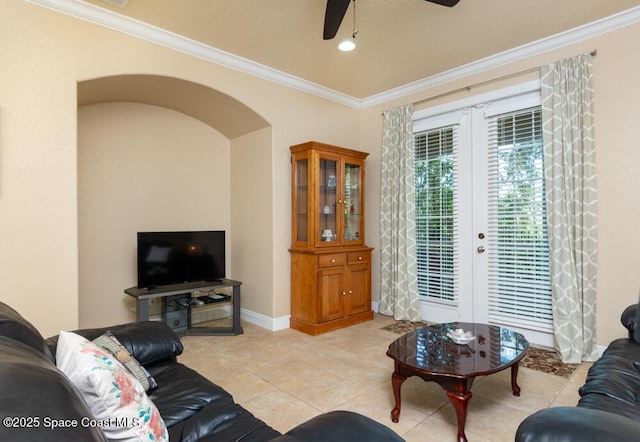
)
(431, 355)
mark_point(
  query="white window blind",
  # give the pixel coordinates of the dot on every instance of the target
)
(435, 163)
(518, 254)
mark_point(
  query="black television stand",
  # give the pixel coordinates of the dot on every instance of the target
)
(171, 293)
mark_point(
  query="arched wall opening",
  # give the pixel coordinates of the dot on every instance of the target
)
(160, 153)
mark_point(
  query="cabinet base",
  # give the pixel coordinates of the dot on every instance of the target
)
(325, 327)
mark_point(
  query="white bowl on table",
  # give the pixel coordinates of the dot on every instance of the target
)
(461, 337)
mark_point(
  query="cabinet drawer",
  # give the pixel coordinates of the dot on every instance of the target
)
(356, 257)
(333, 260)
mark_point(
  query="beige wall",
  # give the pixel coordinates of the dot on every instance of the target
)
(252, 220)
(617, 112)
(140, 168)
(38, 205)
(44, 54)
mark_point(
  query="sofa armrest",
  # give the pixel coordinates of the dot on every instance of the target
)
(577, 424)
(147, 341)
(33, 393)
(340, 426)
(628, 318)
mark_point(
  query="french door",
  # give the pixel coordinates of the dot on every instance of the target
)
(482, 248)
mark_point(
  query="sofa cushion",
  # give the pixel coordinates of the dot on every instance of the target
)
(602, 402)
(339, 425)
(181, 391)
(14, 326)
(576, 424)
(612, 382)
(194, 407)
(222, 420)
(32, 387)
(114, 396)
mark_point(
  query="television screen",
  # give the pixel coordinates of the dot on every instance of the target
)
(176, 257)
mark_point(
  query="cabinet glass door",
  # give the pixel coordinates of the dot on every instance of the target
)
(353, 213)
(301, 200)
(328, 204)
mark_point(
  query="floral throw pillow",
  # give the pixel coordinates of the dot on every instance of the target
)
(111, 344)
(117, 400)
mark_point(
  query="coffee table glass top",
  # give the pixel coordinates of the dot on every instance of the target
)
(430, 350)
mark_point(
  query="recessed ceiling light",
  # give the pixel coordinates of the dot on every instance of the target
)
(347, 45)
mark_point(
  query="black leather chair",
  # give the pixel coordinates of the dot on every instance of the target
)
(609, 406)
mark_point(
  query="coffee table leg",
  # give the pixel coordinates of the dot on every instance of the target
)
(460, 402)
(514, 379)
(396, 383)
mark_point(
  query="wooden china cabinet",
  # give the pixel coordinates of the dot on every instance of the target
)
(330, 263)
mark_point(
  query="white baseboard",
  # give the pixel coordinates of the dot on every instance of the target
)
(273, 324)
(276, 324)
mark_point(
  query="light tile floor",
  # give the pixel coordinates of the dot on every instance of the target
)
(288, 377)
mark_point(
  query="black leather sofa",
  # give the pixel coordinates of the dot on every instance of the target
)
(34, 393)
(609, 406)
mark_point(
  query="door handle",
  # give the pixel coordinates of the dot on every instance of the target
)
(480, 249)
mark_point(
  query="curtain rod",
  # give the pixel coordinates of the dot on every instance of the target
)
(484, 83)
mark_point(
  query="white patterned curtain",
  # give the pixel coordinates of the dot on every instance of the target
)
(570, 181)
(399, 283)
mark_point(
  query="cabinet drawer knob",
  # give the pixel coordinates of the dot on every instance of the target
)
(344, 294)
(350, 292)
(333, 260)
(359, 258)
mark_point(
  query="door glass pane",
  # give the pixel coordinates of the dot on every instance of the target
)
(519, 275)
(327, 201)
(434, 163)
(302, 200)
(352, 202)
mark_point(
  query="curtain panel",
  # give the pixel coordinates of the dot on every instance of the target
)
(570, 183)
(399, 283)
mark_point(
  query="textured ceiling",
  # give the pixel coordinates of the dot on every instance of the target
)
(399, 41)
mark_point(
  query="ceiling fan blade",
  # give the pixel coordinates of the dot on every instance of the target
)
(449, 3)
(333, 17)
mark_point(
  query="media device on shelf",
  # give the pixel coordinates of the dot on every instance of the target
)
(166, 258)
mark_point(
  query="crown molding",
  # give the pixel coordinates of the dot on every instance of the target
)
(112, 20)
(590, 30)
(104, 17)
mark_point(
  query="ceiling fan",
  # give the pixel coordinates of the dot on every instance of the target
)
(336, 9)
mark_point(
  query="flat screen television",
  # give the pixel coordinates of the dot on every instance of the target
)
(166, 258)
